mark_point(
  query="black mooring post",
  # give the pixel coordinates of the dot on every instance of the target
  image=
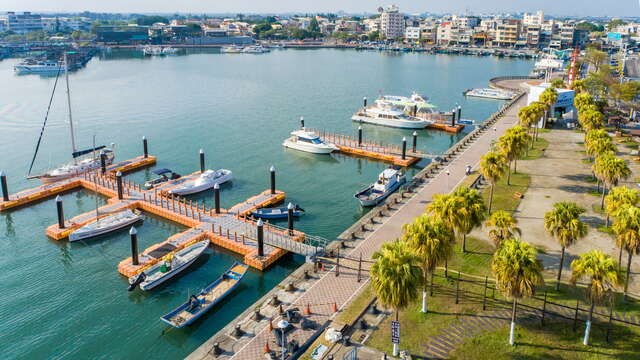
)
(453, 118)
(5, 189)
(290, 208)
(364, 101)
(134, 246)
(302, 122)
(103, 162)
(201, 160)
(260, 238)
(60, 211)
(404, 148)
(119, 184)
(145, 147)
(415, 140)
(459, 112)
(216, 197)
(359, 136)
(272, 171)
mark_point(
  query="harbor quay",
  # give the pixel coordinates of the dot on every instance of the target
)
(318, 293)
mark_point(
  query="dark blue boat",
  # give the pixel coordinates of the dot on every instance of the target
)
(199, 304)
(277, 213)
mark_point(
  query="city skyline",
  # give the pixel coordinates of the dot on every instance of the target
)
(622, 8)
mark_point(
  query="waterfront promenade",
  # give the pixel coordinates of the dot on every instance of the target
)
(330, 289)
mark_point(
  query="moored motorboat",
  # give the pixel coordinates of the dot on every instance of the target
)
(309, 141)
(388, 181)
(199, 304)
(231, 49)
(170, 265)
(386, 114)
(204, 181)
(490, 94)
(164, 175)
(106, 224)
(277, 213)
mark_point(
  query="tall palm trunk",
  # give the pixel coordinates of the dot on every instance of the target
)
(424, 291)
(515, 166)
(607, 221)
(620, 259)
(464, 243)
(491, 198)
(587, 329)
(604, 191)
(509, 174)
(446, 268)
(560, 269)
(512, 332)
(626, 281)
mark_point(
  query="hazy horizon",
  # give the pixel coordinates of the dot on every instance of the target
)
(626, 8)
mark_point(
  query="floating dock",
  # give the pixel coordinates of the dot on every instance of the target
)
(446, 127)
(230, 229)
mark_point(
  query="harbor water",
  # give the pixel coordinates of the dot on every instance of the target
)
(62, 300)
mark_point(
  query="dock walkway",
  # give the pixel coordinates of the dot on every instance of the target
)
(340, 290)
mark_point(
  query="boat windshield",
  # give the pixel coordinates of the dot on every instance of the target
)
(312, 141)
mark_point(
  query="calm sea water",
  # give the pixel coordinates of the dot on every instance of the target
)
(61, 300)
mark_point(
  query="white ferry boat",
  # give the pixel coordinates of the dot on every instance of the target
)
(152, 50)
(31, 66)
(490, 94)
(308, 141)
(386, 114)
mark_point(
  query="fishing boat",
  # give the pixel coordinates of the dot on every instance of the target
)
(171, 265)
(106, 224)
(204, 181)
(164, 175)
(82, 160)
(277, 213)
(487, 93)
(309, 141)
(387, 114)
(199, 304)
(388, 181)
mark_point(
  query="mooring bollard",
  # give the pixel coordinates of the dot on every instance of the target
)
(60, 212)
(134, 246)
(201, 160)
(5, 189)
(216, 197)
(459, 112)
(145, 148)
(302, 122)
(415, 140)
(364, 102)
(272, 171)
(290, 218)
(404, 148)
(119, 183)
(360, 135)
(260, 238)
(103, 162)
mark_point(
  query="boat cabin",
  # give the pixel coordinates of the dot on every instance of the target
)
(306, 137)
(386, 179)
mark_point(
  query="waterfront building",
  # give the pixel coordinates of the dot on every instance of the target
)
(3, 25)
(412, 33)
(533, 19)
(508, 32)
(532, 35)
(466, 22)
(568, 36)
(392, 22)
(118, 34)
(563, 105)
(371, 25)
(56, 24)
(429, 34)
(23, 23)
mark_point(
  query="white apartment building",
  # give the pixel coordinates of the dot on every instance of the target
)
(533, 19)
(23, 23)
(466, 22)
(371, 25)
(412, 33)
(392, 22)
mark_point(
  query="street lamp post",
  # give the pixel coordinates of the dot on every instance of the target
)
(282, 325)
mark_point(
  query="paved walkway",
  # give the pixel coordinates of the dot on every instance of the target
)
(340, 290)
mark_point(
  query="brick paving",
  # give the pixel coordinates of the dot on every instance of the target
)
(329, 289)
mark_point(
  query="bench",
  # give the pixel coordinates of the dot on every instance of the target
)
(518, 195)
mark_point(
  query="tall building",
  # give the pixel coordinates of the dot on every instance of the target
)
(533, 19)
(23, 23)
(508, 32)
(392, 22)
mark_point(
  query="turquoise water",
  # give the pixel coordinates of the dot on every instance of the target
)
(61, 300)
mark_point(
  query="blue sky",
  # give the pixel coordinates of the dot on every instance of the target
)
(554, 7)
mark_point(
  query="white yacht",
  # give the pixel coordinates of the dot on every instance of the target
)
(255, 49)
(490, 94)
(169, 51)
(231, 49)
(106, 224)
(308, 141)
(386, 114)
(388, 181)
(417, 102)
(152, 50)
(82, 160)
(204, 181)
(31, 66)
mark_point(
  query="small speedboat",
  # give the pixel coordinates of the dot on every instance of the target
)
(106, 224)
(199, 304)
(388, 181)
(170, 265)
(164, 175)
(205, 181)
(277, 213)
(309, 141)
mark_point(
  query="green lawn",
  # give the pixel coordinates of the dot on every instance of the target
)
(503, 194)
(554, 341)
(351, 312)
(538, 149)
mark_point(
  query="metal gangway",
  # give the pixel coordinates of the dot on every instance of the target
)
(281, 238)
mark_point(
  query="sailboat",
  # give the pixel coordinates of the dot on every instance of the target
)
(80, 162)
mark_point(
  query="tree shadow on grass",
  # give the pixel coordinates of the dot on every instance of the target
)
(578, 189)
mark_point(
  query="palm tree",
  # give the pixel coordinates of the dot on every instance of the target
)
(557, 83)
(583, 99)
(598, 142)
(618, 198)
(540, 111)
(513, 145)
(431, 241)
(627, 229)
(517, 272)
(563, 223)
(472, 212)
(548, 97)
(504, 227)
(578, 87)
(521, 138)
(394, 277)
(610, 170)
(528, 116)
(492, 167)
(445, 207)
(591, 119)
(603, 274)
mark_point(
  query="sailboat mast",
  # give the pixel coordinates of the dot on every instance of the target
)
(66, 75)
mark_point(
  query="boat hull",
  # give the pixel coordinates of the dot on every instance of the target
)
(403, 124)
(48, 178)
(309, 148)
(269, 216)
(145, 286)
(80, 235)
(196, 189)
(379, 199)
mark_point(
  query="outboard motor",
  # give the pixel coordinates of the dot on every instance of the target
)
(135, 281)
